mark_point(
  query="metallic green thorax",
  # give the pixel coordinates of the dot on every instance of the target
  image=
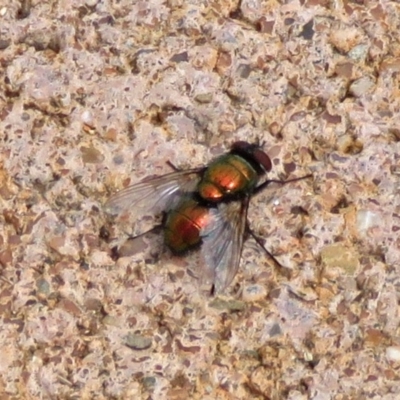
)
(229, 176)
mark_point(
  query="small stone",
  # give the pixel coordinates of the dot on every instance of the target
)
(275, 330)
(180, 57)
(244, 71)
(338, 256)
(367, 219)
(224, 62)
(91, 3)
(6, 257)
(110, 321)
(56, 243)
(265, 26)
(87, 118)
(90, 155)
(308, 30)
(347, 144)
(374, 337)
(361, 86)
(43, 286)
(393, 353)
(149, 382)
(260, 383)
(137, 342)
(254, 293)
(4, 43)
(346, 39)
(231, 305)
(92, 304)
(359, 52)
(204, 98)
(345, 69)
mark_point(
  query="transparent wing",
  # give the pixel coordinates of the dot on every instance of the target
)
(223, 241)
(156, 194)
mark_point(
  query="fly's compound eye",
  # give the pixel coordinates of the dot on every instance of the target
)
(263, 159)
(254, 152)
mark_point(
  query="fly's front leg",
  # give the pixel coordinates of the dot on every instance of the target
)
(259, 188)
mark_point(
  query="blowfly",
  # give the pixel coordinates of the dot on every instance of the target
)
(205, 207)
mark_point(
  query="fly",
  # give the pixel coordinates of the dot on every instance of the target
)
(205, 207)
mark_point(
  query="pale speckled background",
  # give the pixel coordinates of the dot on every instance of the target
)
(96, 95)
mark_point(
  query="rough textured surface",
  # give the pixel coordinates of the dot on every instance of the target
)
(96, 95)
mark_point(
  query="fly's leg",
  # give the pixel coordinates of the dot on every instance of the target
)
(283, 270)
(175, 168)
(128, 248)
(259, 188)
(286, 272)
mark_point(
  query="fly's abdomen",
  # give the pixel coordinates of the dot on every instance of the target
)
(184, 224)
(230, 176)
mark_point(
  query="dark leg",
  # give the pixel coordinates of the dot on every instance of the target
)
(126, 249)
(195, 170)
(283, 270)
(176, 169)
(259, 188)
(154, 229)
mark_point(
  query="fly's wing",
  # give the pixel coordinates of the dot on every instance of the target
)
(154, 195)
(223, 241)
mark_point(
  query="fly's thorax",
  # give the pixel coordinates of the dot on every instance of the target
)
(228, 177)
(183, 225)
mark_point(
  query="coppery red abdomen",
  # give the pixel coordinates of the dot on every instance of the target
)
(183, 225)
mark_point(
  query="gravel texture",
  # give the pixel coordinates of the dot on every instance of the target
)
(96, 95)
